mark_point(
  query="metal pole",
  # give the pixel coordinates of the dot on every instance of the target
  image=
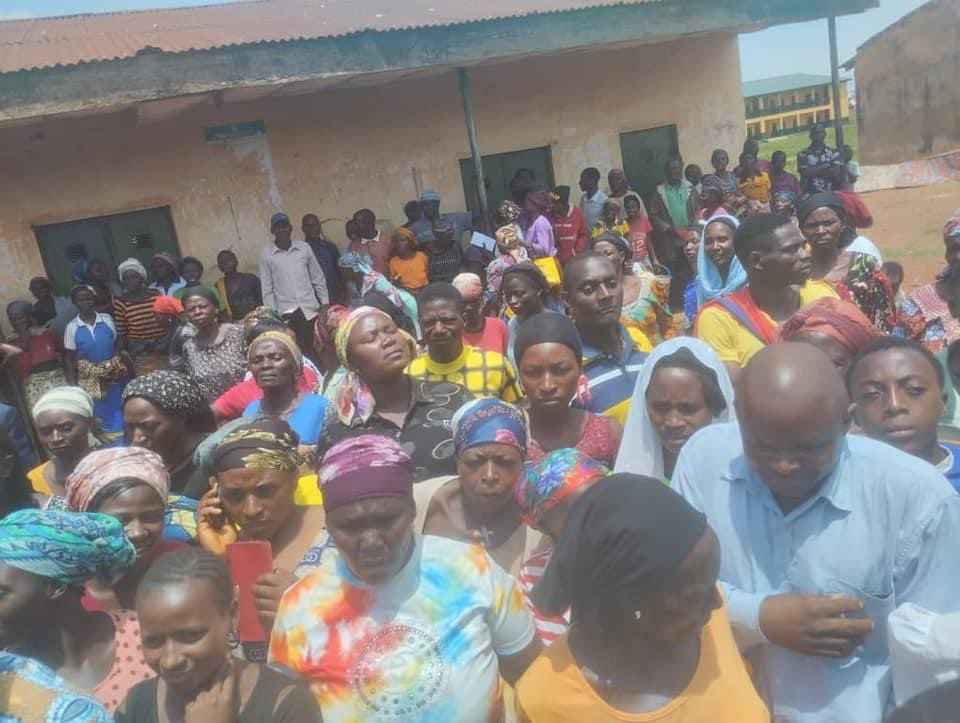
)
(835, 81)
(467, 94)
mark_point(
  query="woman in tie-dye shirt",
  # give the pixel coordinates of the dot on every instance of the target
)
(392, 625)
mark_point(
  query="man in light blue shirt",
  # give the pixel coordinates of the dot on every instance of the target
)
(823, 536)
(592, 200)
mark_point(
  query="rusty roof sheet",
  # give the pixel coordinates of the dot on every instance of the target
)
(33, 44)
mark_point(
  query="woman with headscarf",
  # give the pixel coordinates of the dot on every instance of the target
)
(377, 397)
(478, 505)
(167, 413)
(46, 558)
(836, 327)
(166, 277)
(32, 691)
(535, 222)
(67, 429)
(719, 271)
(325, 327)
(139, 332)
(510, 252)
(93, 360)
(926, 314)
(185, 598)
(682, 388)
(130, 484)
(550, 366)
(257, 465)
(214, 356)
(39, 365)
(856, 276)
(525, 292)
(650, 638)
(711, 199)
(372, 281)
(276, 363)
(646, 293)
(546, 492)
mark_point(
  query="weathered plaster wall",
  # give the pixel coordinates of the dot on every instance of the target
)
(908, 96)
(334, 152)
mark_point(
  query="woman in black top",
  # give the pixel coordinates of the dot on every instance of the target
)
(187, 612)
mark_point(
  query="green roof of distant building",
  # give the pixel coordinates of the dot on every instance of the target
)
(783, 83)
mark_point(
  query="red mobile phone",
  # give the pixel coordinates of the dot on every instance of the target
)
(248, 561)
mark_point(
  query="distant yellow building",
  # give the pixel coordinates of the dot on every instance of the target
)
(790, 103)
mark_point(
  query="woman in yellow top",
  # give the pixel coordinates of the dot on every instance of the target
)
(650, 639)
(66, 426)
(754, 183)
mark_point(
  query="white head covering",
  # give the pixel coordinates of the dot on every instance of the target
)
(65, 399)
(131, 264)
(641, 451)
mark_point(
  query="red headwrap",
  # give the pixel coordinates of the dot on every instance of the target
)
(838, 319)
(167, 305)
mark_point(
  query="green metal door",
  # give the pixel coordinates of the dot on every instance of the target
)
(645, 153)
(139, 234)
(499, 169)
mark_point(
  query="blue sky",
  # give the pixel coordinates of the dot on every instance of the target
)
(799, 48)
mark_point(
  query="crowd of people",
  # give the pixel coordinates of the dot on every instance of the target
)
(680, 458)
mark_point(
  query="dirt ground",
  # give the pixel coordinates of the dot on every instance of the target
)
(908, 226)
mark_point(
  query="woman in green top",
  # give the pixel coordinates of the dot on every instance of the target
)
(187, 612)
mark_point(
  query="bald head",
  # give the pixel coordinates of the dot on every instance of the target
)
(794, 412)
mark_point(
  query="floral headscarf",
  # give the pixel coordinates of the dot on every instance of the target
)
(355, 402)
(261, 444)
(103, 467)
(558, 475)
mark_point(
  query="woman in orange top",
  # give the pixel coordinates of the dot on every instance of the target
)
(408, 267)
(650, 639)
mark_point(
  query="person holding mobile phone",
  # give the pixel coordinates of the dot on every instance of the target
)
(187, 611)
(257, 467)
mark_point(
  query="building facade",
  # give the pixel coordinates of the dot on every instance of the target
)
(174, 139)
(908, 95)
(790, 104)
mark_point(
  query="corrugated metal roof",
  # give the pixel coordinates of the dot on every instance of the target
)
(47, 42)
(782, 83)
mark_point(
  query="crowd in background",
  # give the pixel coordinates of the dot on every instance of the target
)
(683, 457)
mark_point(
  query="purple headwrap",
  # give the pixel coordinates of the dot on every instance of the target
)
(362, 467)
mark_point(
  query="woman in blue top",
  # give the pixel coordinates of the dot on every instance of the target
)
(276, 362)
(93, 362)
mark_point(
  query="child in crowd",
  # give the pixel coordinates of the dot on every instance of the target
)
(754, 183)
(408, 266)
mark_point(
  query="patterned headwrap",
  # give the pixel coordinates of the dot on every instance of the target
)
(73, 400)
(469, 286)
(840, 320)
(167, 305)
(325, 325)
(488, 421)
(260, 315)
(134, 265)
(951, 229)
(103, 467)
(69, 547)
(167, 257)
(354, 399)
(172, 392)
(404, 234)
(547, 483)
(284, 340)
(362, 467)
(260, 444)
(508, 212)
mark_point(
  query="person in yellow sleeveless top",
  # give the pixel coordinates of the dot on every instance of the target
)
(650, 639)
(448, 359)
(776, 258)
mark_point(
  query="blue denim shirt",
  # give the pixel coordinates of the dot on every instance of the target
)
(883, 527)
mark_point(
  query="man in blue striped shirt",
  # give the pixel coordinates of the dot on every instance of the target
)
(612, 354)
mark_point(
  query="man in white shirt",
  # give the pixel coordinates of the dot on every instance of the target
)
(292, 280)
(592, 200)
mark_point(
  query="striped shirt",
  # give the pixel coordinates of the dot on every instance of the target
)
(611, 379)
(483, 373)
(549, 627)
(135, 319)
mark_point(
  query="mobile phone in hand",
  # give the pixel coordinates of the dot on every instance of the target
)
(248, 561)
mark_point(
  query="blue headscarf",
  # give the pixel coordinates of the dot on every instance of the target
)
(489, 421)
(69, 547)
(709, 284)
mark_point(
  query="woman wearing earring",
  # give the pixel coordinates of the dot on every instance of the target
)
(187, 613)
